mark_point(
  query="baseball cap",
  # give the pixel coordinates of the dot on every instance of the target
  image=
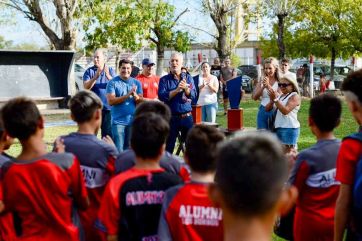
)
(147, 62)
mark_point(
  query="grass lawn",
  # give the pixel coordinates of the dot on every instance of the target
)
(306, 139)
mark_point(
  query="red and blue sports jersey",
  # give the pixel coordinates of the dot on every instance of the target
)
(314, 175)
(169, 162)
(96, 159)
(189, 215)
(42, 192)
(7, 228)
(132, 202)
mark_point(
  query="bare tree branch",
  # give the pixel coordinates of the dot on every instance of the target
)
(199, 29)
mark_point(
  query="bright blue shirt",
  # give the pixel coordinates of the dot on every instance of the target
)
(180, 103)
(122, 113)
(99, 86)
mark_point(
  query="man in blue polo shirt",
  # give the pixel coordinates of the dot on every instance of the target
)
(123, 92)
(177, 91)
(95, 79)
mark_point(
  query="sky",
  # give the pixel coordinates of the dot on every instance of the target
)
(21, 30)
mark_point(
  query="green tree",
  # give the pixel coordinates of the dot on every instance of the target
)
(56, 18)
(131, 24)
(320, 27)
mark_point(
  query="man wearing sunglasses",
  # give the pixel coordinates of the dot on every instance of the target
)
(148, 80)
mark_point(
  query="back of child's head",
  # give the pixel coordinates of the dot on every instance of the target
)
(21, 117)
(148, 135)
(83, 105)
(353, 83)
(250, 174)
(325, 111)
(201, 148)
(156, 107)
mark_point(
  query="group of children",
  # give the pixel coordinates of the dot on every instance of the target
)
(228, 189)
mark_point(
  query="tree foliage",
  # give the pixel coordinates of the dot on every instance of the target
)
(324, 28)
(5, 44)
(56, 18)
(131, 24)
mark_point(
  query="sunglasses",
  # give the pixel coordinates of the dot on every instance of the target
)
(284, 85)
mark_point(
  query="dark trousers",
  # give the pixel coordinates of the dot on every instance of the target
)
(178, 124)
(106, 126)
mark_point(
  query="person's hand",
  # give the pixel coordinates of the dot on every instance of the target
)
(2, 206)
(266, 82)
(108, 140)
(182, 85)
(272, 94)
(207, 82)
(291, 157)
(98, 73)
(59, 146)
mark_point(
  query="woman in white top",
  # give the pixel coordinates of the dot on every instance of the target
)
(287, 126)
(208, 86)
(263, 87)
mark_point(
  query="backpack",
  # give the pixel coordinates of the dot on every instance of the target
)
(357, 188)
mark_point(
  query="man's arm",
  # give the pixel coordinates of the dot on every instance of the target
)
(89, 82)
(342, 215)
(113, 100)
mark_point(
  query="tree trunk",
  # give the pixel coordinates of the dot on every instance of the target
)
(221, 45)
(160, 60)
(281, 46)
(333, 60)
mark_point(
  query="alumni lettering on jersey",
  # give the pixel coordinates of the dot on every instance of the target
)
(94, 177)
(200, 215)
(323, 179)
(147, 197)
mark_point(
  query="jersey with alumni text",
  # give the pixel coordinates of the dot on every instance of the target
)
(41, 192)
(314, 175)
(188, 215)
(96, 159)
(131, 204)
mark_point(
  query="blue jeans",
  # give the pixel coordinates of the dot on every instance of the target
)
(288, 136)
(106, 126)
(263, 119)
(178, 124)
(121, 136)
(209, 112)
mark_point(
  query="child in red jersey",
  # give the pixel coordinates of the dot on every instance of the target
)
(131, 204)
(40, 187)
(96, 157)
(314, 173)
(348, 159)
(187, 212)
(251, 172)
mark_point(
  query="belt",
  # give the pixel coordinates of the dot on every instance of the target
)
(183, 115)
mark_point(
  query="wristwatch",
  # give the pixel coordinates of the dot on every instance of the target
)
(275, 100)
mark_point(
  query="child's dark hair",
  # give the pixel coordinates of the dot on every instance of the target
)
(201, 147)
(83, 105)
(325, 110)
(251, 172)
(21, 117)
(149, 133)
(353, 83)
(156, 107)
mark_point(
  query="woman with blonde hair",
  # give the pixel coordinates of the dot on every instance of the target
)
(268, 82)
(287, 104)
